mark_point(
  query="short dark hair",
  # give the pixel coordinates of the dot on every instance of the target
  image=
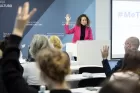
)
(78, 22)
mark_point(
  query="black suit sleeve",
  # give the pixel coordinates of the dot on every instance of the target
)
(12, 70)
(2, 86)
(107, 68)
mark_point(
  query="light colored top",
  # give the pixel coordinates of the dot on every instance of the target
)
(123, 75)
(21, 60)
(32, 74)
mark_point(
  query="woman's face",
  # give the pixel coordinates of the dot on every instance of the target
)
(84, 21)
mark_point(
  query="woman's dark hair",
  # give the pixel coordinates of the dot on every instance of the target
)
(131, 62)
(78, 22)
(121, 86)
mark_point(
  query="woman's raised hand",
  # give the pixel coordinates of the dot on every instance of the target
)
(22, 18)
(68, 18)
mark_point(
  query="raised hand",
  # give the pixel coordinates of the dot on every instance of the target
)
(105, 51)
(23, 17)
(68, 18)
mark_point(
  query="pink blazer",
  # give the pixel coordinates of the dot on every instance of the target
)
(76, 30)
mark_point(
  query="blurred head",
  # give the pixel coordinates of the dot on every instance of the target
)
(55, 40)
(83, 20)
(1, 53)
(38, 42)
(132, 43)
(121, 86)
(54, 65)
(3, 43)
(132, 61)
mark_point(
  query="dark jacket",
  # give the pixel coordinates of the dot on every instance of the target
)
(12, 70)
(107, 68)
(2, 86)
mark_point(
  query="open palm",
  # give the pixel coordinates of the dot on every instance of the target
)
(68, 18)
(105, 51)
(23, 16)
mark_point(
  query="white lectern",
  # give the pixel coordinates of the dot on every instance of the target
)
(89, 52)
(71, 48)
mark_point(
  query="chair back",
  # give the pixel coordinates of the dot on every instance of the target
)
(91, 82)
(91, 70)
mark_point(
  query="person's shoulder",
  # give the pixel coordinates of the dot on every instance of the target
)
(65, 52)
(116, 75)
(127, 74)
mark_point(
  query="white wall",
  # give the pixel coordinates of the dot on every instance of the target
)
(103, 17)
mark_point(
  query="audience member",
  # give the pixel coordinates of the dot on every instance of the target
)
(121, 86)
(11, 67)
(54, 65)
(131, 66)
(131, 43)
(56, 42)
(31, 71)
(38, 42)
(2, 85)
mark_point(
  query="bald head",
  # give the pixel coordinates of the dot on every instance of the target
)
(133, 43)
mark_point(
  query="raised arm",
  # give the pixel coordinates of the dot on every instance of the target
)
(12, 69)
(67, 30)
(106, 66)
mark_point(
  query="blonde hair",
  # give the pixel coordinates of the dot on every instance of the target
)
(1, 53)
(55, 40)
(54, 64)
(38, 42)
